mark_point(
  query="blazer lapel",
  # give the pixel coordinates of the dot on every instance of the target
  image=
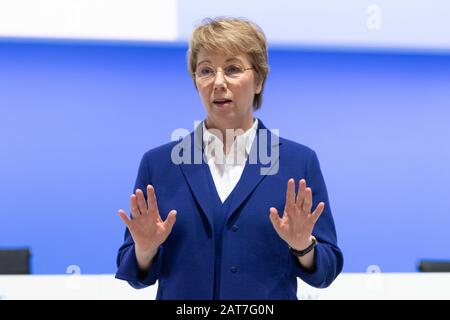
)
(196, 172)
(254, 171)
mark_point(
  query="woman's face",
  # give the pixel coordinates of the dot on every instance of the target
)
(227, 96)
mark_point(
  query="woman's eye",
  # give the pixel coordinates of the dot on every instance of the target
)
(230, 70)
(206, 71)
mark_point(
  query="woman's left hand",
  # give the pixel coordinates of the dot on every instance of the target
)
(297, 223)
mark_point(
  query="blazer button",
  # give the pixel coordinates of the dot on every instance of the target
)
(233, 269)
(235, 228)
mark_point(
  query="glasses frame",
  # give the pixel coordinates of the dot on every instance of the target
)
(214, 74)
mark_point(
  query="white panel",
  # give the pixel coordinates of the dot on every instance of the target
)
(415, 24)
(404, 24)
(347, 286)
(89, 19)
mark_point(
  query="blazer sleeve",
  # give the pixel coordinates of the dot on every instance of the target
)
(327, 255)
(126, 257)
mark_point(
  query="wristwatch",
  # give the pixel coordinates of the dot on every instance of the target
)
(301, 253)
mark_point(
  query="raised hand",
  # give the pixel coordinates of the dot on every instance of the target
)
(146, 226)
(296, 225)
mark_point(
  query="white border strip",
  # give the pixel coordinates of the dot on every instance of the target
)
(153, 20)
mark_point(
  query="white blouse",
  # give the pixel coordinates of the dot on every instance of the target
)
(226, 170)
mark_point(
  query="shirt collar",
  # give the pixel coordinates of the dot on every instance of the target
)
(246, 138)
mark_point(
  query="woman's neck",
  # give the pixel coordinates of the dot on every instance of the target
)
(234, 130)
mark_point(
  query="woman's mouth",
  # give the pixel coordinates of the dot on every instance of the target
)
(222, 102)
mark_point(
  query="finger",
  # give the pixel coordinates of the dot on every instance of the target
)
(124, 217)
(290, 197)
(275, 219)
(301, 193)
(134, 207)
(141, 202)
(319, 209)
(307, 202)
(152, 203)
(170, 220)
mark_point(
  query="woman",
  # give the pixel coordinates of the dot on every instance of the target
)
(239, 233)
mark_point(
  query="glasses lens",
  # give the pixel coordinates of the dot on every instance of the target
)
(233, 71)
(208, 72)
(205, 72)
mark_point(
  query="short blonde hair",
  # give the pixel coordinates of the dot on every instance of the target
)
(234, 36)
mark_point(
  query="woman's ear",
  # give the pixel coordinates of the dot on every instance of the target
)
(258, 83)
(258, 86)
(195, 84)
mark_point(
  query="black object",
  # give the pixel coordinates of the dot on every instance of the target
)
(15, 261)
(434, 266)
(301, 253)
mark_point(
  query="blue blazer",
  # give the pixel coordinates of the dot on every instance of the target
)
(239, 256)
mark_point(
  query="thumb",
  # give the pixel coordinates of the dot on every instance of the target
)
(124, 218)
(275, 219)
(170, 220)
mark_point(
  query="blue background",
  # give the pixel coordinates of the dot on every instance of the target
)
(76, 118)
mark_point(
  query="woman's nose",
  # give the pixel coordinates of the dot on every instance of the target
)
(219, 80)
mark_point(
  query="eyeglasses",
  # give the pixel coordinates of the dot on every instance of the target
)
(207, 73)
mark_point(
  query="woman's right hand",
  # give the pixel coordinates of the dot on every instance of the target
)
(146, 226)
